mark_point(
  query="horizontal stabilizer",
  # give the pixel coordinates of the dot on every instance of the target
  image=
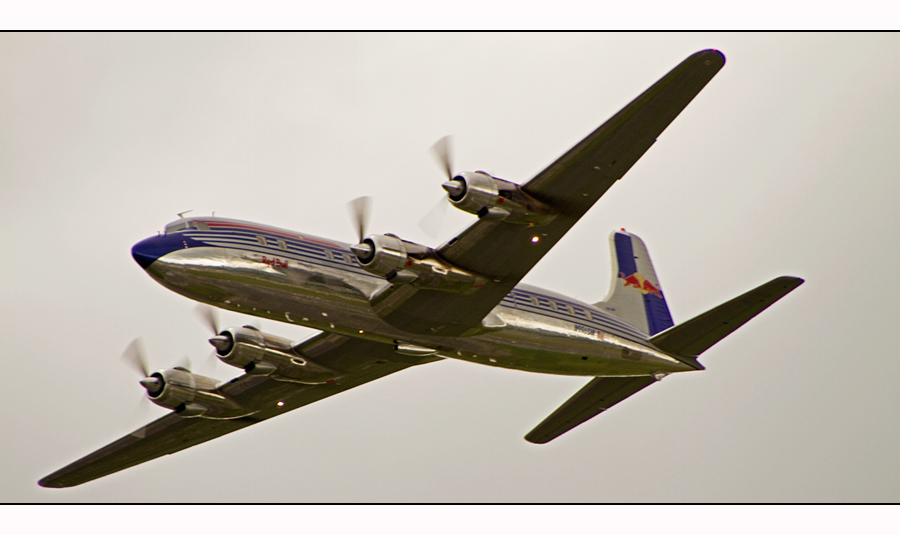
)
(695, 336)
(595, 397)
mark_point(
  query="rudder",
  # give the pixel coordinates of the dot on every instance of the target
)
(635, 294)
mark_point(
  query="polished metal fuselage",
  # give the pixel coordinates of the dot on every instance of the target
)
(293, 278)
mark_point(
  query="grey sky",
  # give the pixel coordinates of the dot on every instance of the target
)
(784, 165)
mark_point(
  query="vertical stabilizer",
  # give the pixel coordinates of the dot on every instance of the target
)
(635, 295)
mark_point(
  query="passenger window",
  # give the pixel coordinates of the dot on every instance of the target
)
(282, 244)
(328, 254)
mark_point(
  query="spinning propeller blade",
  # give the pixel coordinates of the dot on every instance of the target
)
(209, 317)
(442, 151)
(359, 211)
(135, 356)
(433, 221)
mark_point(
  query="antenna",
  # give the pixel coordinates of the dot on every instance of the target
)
(181, 215)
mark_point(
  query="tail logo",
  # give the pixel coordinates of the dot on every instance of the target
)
(636, 280)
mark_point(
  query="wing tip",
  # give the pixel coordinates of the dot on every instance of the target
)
(49, 483)
(530, 437)
(711, 56)
(790, 281)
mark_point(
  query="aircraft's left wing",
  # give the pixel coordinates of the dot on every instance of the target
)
(360, 360)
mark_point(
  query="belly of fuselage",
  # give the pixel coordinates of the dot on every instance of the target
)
(336, 299)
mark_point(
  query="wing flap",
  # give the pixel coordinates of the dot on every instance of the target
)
(363, 361)
(595, 397)
(696, 335)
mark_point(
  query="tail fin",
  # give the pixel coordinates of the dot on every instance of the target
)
(696, 335)
(635, 295)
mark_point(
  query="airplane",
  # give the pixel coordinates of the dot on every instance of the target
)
(386, 304)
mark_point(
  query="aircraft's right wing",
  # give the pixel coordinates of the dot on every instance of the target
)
(360, 360)
(595, 397)
(505, 252)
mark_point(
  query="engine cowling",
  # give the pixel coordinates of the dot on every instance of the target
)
(490, 197)
(260, 353)
(191, 395)
(404, 262)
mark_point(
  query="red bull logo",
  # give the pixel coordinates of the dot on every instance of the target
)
(636, 280)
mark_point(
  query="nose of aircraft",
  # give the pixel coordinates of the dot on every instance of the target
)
(146, 252)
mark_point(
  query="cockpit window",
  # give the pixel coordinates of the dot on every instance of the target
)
(182, 225)
(177, 226)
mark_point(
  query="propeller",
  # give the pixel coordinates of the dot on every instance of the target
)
(136, 357)
(442, 150)
(433, 221)
(359, 210)
(208, 316)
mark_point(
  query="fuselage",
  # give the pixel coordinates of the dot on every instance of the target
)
(303, 280)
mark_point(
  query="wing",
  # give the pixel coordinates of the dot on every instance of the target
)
(595, 397)
(505, 252)
(361, 360)
(693, 337)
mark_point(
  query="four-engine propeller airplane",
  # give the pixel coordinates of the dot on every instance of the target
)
(386, 304)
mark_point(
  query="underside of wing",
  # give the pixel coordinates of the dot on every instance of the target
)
(360, 361)
(595, 397)
(503, 252)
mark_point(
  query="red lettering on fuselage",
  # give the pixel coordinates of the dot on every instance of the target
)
(274, 262)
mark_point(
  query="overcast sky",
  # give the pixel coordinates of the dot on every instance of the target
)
(786, 164)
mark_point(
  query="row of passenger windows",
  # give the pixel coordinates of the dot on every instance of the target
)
(272, 242)
(336, 256)
(553, 304)
(281, 244)
(339, 257)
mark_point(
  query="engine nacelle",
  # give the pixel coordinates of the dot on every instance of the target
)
(260, 353)
(403, 262)
(191, 395)
(494, 198)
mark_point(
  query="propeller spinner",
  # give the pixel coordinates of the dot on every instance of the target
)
(221, 342)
